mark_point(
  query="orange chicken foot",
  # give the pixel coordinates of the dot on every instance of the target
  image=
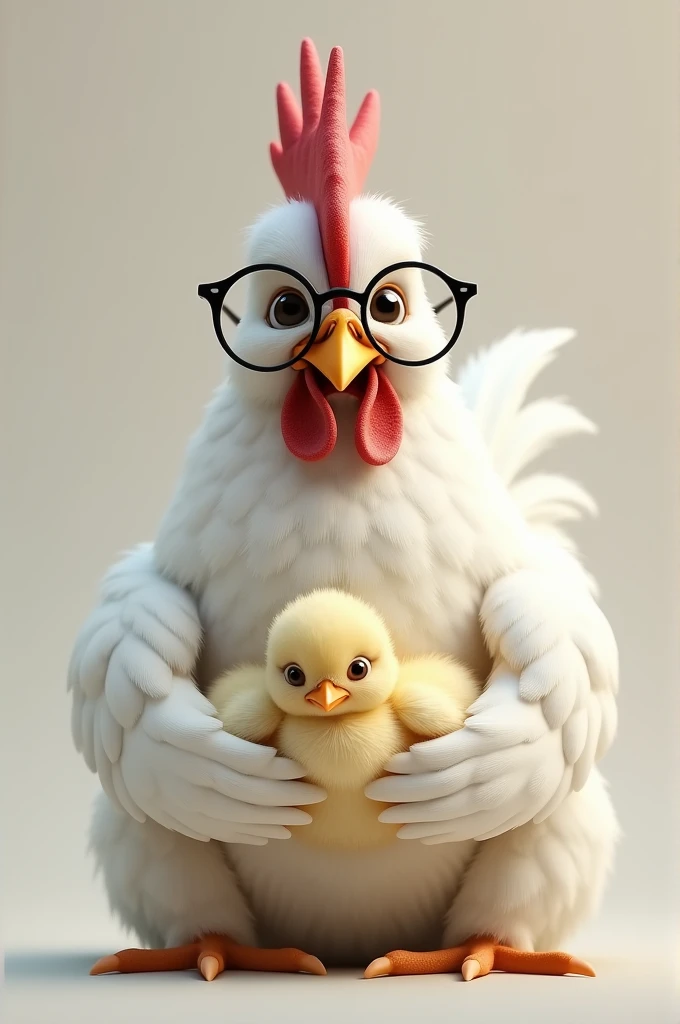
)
(211, 955)
(478, 956)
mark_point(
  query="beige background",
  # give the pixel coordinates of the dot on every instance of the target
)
(539, 141)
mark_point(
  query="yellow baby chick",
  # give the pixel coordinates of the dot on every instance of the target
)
(334, 697)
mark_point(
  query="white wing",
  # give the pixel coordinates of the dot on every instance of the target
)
(152, 737)
(546, 716)
(549, 710)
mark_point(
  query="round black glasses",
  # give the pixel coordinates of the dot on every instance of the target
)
(294, 306)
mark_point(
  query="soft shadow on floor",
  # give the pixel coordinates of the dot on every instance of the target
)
(48, 965)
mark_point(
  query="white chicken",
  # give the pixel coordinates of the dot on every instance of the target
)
(399, 486)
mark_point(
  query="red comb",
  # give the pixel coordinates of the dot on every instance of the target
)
(318, 159)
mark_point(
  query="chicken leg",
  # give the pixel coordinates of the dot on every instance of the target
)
(212, 954)
(478, 956)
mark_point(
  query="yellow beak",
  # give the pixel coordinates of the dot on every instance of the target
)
(341, 350)
(327, 695)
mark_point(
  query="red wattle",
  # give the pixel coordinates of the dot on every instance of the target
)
(307, 422)
(310, 430)
(380, 423)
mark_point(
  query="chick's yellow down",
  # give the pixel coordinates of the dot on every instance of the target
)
(333, 696)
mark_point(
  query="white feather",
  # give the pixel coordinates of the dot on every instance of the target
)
(538, 493)
(494, 384)
(144, 729)
(434, 540)
(535, 428)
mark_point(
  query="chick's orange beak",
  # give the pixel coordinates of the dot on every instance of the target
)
(327, 695)
(341, 350)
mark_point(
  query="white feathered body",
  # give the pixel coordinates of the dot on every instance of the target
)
(420, 539)
(423, 539)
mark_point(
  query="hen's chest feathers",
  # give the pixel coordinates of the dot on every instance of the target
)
(251, 527)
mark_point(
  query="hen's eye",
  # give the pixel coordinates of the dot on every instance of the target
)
(288, 309)
(388, 305)
(294, 675)
(359, 669)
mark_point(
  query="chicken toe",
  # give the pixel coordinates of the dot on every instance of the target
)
(211, 955)
(475, 958)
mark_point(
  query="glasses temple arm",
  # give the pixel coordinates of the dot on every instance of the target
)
(444, 304)
(232, 316)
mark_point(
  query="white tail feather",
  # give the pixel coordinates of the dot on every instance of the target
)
(547, 496)
(494, 384)
(534, 429)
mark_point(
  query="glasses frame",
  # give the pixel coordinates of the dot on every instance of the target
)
(215, 293)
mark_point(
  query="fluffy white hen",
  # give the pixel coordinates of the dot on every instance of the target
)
(460, 555)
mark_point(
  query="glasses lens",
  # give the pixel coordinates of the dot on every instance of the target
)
(412, 314)
(265, 315)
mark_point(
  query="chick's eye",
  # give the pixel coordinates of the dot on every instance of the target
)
(388, 305)
(359, 669)
(294, 675)
(288, 309)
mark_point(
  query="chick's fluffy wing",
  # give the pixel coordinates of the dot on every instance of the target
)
(243, 705)
(433, 694)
